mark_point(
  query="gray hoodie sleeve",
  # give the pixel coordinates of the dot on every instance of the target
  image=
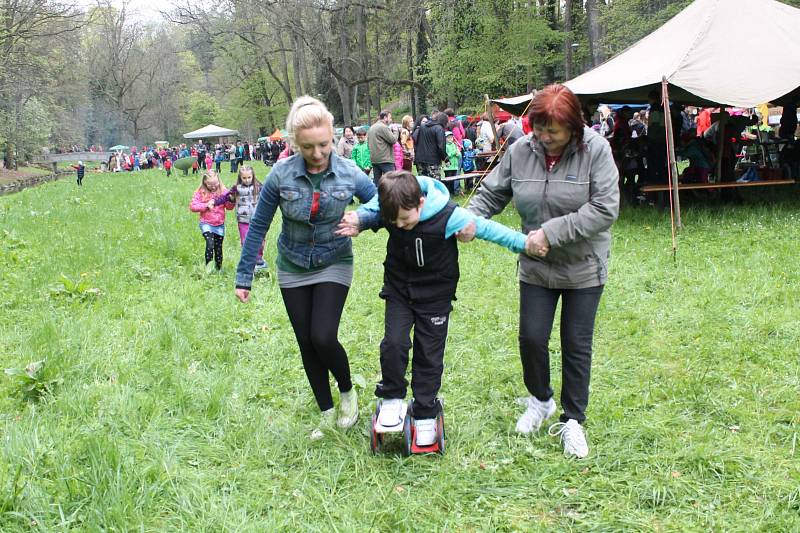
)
(599, 212)
(495, 191)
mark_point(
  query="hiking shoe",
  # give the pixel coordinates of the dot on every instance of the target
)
(426, 431)
(391, 410)
(348, 408)
(326, 422)
(572, 437)
(536, 413)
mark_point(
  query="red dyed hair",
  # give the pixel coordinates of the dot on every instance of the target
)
(556, 103)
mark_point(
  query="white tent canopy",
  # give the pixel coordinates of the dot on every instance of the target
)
(712, 52)
(210, 131)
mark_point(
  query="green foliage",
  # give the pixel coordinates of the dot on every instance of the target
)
(203, 109)
(32, 382)
(627, 21)
(494, 48)
(79, 289)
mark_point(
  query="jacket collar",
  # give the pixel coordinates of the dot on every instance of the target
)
(297, 165)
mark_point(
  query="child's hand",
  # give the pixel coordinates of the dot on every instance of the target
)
(243, 295)
(348, 226)
(467, 233)
(537, 244)
(210, 205)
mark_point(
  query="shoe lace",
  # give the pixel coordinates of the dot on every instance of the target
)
(571, 434)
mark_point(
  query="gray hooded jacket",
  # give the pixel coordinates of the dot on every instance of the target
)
(575, 204)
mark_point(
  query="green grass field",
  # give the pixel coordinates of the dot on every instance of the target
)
(165, 405)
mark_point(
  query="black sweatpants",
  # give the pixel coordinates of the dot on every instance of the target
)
(430, 322)
(536, 313)
(315, 312)
(213, 248)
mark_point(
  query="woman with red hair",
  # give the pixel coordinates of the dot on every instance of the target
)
(563, 181)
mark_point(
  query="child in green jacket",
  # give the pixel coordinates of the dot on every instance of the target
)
(360, 155)
(451, 168)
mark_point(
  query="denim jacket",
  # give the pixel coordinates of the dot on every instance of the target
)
(306, 244)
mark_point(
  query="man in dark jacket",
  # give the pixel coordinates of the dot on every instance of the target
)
(429, 147)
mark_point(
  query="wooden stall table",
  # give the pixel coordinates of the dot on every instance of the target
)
(725, 185)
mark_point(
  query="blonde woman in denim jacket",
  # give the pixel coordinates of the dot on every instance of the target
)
(312, 188)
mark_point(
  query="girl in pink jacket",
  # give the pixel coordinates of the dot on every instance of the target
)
(212, 217)
(398, 156)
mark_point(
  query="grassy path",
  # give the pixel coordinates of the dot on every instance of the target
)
(167, 406)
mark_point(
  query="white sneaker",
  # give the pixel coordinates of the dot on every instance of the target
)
(326, 422)
(391, 410)
(348, 408)
(572, 437)
(426, 431)
(536, 413)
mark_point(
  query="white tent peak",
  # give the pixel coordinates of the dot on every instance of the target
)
(710, 51)
(210, 131)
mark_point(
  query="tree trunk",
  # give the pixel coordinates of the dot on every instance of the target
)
(284, 65)
(567, 39)
(594, 33)
(345, 93)
(423, 44)
(412, 102)
(377, 69)
(361, 28)
(297, 53)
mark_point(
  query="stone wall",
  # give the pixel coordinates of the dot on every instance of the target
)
(32, 181)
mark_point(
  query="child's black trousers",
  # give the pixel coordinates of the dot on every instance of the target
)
(430, 322)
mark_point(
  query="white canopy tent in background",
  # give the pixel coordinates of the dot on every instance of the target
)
(210, 131)
(739, 53)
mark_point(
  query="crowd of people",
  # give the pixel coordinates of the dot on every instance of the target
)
(638, 142)
(440, 145)
(207, 156)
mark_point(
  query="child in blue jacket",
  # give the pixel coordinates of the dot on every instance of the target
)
(419, 284)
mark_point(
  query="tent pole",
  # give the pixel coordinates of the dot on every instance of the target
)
(722, 120)
(676, 201)
(491, 120)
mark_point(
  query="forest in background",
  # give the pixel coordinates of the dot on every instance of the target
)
(76, 75)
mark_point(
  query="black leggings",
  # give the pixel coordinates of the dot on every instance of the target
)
(213, 248)
(315, 312)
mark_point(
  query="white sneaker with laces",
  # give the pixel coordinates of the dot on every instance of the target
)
(391, 410)
(536, 413)
(426, 431)
(572, 437)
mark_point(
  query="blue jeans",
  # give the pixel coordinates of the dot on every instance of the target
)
(379, 169)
